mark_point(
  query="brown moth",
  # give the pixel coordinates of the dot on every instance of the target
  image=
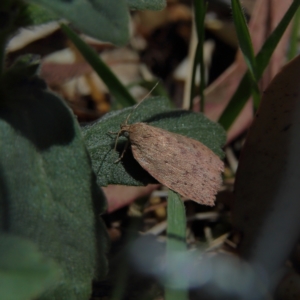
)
(184, 165)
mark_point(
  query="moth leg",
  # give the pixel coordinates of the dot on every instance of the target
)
(122, 155)
(118, 133)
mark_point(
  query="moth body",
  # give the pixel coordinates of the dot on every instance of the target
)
(180, 163)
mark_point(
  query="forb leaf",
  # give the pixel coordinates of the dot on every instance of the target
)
(102, 19)
(156, 112)
(149, 4)
(48, 192)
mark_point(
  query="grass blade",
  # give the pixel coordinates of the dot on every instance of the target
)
(244, 90)
(293, 49)
(244, 36)
(176, 243)
(246, 47)
(200, 11)
(116, 88)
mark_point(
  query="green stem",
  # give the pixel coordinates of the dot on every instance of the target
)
(193, 83)
(176, 244)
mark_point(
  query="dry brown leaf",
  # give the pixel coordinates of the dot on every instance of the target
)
(289, 288)
(262, 171)
(119, 196)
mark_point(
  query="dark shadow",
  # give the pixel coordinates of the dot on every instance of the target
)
(37, 114)
(132, 167)
(101, 235)
(173, 114)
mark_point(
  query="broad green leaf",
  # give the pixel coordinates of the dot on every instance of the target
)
(102, 19)
(243, 92)
(48, 192)
(24, 271)
(149, 4)
(157, 112)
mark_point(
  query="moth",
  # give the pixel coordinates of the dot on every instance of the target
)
(184, 165)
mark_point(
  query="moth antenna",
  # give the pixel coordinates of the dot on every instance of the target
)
(126, 121)
(137, 105)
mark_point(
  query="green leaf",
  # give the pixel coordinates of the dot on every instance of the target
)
(116, 88)
(102, 19)
(243, 92)
(24, 272)
(157, 112)
(149, 4)
(48, 192)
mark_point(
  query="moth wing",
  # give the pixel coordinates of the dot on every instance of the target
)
(180, 163)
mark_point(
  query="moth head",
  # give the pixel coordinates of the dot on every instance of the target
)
(126, 134)
(125, 130)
